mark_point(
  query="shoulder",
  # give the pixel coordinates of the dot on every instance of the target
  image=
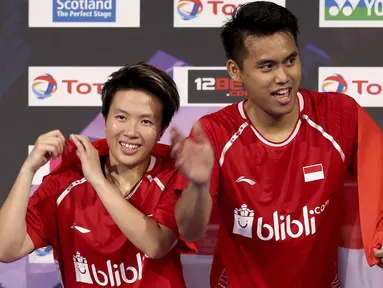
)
(166, 176)
(221, 118)
(220, 126)
(161, 164)
(329, 101)
(56, 183)
(335, 115)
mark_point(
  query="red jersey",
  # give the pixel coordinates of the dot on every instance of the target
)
(280, 203)
(89, 248)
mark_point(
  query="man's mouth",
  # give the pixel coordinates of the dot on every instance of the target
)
(282, 93)
(283, 96)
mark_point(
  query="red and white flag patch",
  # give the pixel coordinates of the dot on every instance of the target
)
(313, 172)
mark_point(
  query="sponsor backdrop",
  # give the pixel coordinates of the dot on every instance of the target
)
(55, 55)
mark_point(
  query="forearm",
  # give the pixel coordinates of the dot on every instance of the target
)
(13, 214)
(143, 232)
(193, 212)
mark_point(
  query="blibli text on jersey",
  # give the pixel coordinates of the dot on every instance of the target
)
(111, 274)
(84, 10)
(281, 227)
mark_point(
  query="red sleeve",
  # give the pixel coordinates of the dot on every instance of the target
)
(214, 181)
(164, 213)
(370, 183)
(41, 213)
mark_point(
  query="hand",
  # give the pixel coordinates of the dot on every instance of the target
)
(47, 146)
(90, 160)
(194, 158)
(379, 254)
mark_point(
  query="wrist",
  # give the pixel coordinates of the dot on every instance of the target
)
(27, 169)
(200, 186)
(98, 182)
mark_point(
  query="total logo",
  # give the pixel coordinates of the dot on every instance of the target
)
(67, 86)
(45, 86)
(189, 9)
(334, 83)
(351, 13)
(206, 13)
(115, 275)
(282, 227)
(364, 84)
(41, 256)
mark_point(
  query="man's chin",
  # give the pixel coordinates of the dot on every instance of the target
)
(281, 111)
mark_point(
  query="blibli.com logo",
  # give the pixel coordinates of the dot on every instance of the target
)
(84, 10)
(115, 273)
(44, 86)
(283, 226)
(334, 83)
(189, 9)
(353, 10)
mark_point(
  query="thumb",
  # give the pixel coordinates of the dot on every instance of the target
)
(198, 133)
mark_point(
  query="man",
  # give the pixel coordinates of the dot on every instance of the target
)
(108, 210)
(275, 164)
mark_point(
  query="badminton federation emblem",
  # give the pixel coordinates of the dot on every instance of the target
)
(44, 86)
(189, 9)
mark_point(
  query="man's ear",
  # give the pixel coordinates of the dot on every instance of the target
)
(233, 70)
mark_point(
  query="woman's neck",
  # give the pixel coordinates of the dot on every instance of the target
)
(125, 177)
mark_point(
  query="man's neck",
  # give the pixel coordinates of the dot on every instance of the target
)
(124, 177)
(275, 129)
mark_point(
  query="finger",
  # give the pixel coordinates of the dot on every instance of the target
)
(85, 142)
(378, 253)
(179, 163)
(62, 138)
(54, 133)
(80, 147)
(175, 135)
(175, 150)
(198, 133)
(49, 151)
(52, 141)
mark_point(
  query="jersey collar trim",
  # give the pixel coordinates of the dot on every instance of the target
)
(242, 112)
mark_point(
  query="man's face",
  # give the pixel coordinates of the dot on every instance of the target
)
(271, 72)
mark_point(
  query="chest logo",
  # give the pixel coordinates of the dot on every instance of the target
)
(313, 172)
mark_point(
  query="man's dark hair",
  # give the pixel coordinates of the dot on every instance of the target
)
(261, 18)
(147, 78)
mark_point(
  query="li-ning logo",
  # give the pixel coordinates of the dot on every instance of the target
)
(283, 227)
(348, 7)
(115, 274)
